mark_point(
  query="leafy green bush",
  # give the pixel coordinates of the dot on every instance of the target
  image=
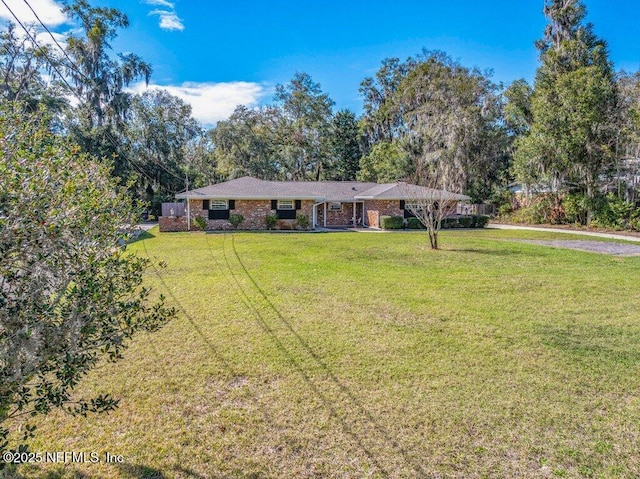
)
(391, 222)
(236, 220)
(414, 224)
(271, 221)
(465, 221)
(201, 223)
(541, 210)
(575, 208)
(481, 221)
(451, 222)
(303, 221)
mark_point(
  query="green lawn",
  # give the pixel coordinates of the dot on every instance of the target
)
(350, 355)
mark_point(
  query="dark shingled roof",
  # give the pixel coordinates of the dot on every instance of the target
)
(253, 188)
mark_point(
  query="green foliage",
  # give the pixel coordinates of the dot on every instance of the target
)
(236, 220)
(159, 130)
(345, 150)
(575, 207)
(385, 163)
(449, 222)
(71, 295)
(271, 221)
(465, 221)
(391, 222)
(200, 222)
(517, 111)
(414, 224)
(612, 212)
(303, 221)
(543, 209)
(573, 107)
(481, 221)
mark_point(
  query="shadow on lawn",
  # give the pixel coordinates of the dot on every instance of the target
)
(139, 471)
(142, 236)
(391, 442)
(488, 252)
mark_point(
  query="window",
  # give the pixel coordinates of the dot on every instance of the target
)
(412, 207)
(335, 206)
(285, 205)
(218, 205)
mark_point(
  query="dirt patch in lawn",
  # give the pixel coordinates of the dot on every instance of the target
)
(616, 249)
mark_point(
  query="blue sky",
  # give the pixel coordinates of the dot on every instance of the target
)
(216, 54)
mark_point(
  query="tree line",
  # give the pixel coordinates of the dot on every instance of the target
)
(574, 129)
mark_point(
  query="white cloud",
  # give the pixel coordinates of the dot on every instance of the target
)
(212, 102)
(43, 38)
(168, 20)
(162, 3)
(49, 11)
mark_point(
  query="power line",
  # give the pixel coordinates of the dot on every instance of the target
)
(53, 65)
(64, 52)
(33, 40)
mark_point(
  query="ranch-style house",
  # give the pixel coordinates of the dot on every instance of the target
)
(324, 203)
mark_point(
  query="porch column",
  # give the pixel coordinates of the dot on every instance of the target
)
(364, 215)
(354, 215)
(314, 216)
(188, 215)
(324, 217)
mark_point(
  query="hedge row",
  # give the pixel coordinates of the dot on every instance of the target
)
(469, 221)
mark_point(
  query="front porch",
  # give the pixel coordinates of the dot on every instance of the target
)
(338, 213)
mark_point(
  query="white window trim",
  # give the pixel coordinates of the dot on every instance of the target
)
(412, 207)
(218, 205)
(286, 205)
(332, 204)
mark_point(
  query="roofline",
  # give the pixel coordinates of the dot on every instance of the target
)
(204, 196)
(389, 198)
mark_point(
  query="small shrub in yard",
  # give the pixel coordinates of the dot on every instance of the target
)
(414, 224)
(447, 223)
(303, 221)
(201, 223)
(482, 221)
(465, 221)
(236, 220)
(271, 221)
(391, 222)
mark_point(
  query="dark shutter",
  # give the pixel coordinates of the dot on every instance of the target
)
(205, 204)
(286, 214)
(274, 204)
(298, 204)
(218, 214)
(401, 204)
(232, 204)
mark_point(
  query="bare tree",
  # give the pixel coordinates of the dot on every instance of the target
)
(432, 197)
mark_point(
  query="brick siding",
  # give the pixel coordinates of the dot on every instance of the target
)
(254, 212)
(377, 208)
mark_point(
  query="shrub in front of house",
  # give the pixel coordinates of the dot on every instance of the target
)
(303, 221)
(391, 222)
(236, 220)
(270, 221)
(451, 222)
(201, 223)
(414, 224)
(465, 221)
(481, 221)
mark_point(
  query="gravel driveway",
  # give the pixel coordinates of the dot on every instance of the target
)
(617, 249)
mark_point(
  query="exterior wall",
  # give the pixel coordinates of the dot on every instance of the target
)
(377, 208)
(172, 223)
(254, 212)
(343, 217)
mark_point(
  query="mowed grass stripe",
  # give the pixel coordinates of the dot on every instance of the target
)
(352, 415)
(490, 358)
